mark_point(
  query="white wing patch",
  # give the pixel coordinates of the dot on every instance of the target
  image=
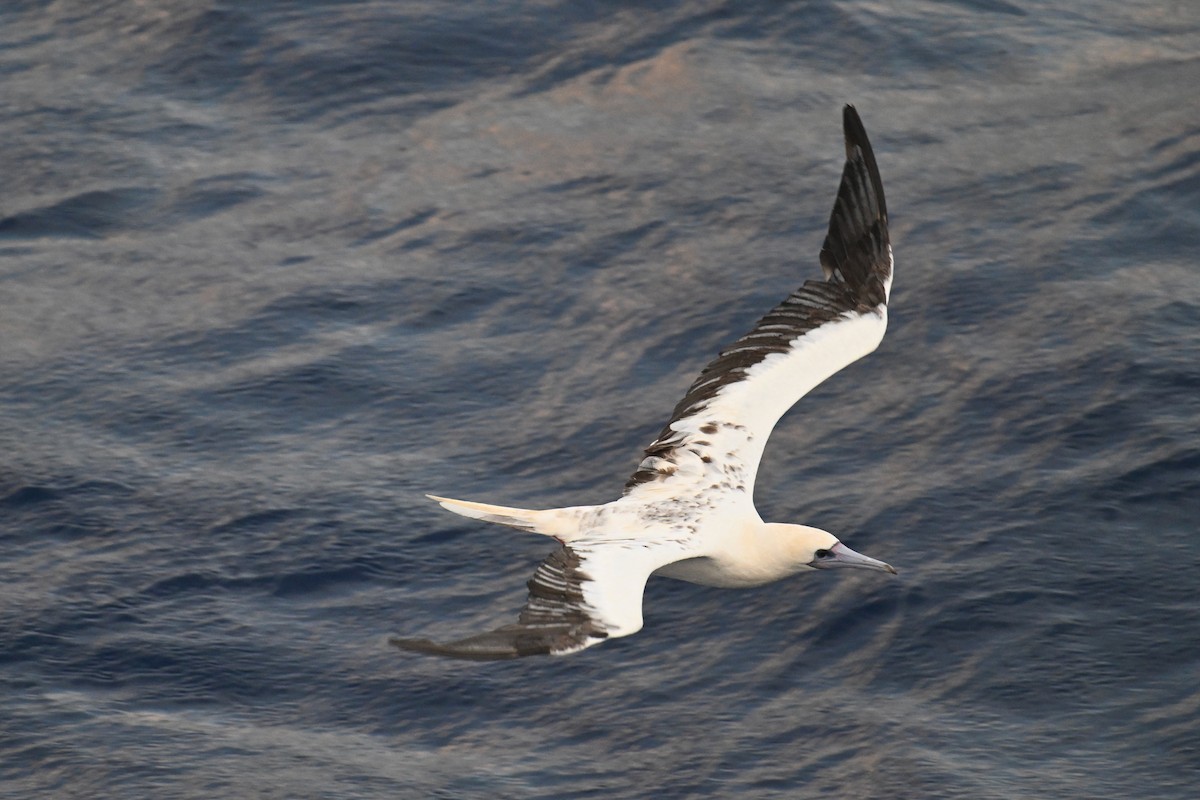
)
(719, 446)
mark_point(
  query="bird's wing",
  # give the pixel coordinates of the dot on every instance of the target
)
(717, 432)
(579, 596)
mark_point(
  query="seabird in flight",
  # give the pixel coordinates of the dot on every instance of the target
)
(688, 511)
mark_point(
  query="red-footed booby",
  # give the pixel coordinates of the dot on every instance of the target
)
(688, 511)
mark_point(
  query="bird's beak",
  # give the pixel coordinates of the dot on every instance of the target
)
(842, 556)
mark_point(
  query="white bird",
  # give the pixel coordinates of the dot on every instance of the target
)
(688, 511)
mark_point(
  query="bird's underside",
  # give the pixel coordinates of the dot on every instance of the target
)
(687, 510)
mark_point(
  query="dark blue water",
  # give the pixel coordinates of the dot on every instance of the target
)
(269, 272)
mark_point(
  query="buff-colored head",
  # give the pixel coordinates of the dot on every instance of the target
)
(813, 548)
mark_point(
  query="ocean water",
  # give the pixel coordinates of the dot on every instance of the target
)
(269, 272)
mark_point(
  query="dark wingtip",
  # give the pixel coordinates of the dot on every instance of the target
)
(452, 650)
(855, 251)
(856, 137)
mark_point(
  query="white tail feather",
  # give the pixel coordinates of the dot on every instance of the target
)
(561, 523)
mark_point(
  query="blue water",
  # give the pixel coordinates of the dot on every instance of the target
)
(269, 272)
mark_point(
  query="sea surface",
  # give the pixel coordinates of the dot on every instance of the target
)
(269, 272)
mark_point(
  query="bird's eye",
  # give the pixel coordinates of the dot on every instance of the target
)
(822, 553)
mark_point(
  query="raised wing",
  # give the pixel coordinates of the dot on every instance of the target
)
(717, 432)
(578, 597)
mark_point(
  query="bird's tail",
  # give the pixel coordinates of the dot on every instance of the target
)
(561, 523)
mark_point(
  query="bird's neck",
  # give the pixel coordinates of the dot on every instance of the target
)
(765, 552)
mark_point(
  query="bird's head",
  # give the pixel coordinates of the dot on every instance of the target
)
(814, 548)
